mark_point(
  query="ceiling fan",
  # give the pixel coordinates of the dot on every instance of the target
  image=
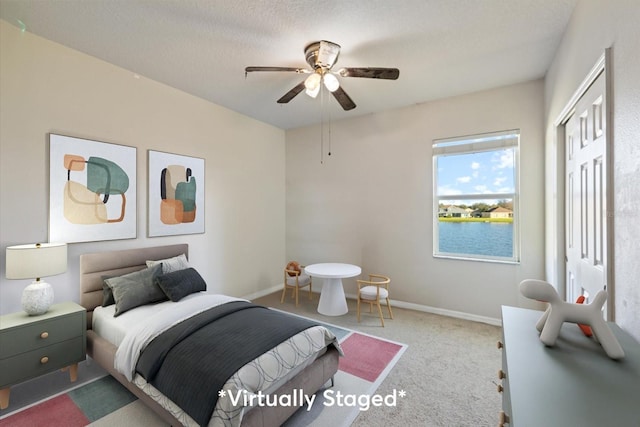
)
(321, 57)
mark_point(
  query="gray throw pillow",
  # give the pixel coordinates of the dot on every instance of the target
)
(136, 289)
(107, 294)
(179, 284)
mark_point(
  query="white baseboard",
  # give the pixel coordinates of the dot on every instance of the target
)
(445, 312)
(402, 304)
(263, 293)
(442, 312)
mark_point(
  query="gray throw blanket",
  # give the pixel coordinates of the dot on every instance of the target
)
(191, 362)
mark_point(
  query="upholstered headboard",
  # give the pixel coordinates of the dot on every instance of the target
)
(96, 266)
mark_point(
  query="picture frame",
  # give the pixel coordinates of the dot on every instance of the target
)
(92, 190)
(175, 194)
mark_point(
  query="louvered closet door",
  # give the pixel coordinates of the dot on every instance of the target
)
(586, 190)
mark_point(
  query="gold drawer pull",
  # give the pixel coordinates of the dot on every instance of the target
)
(500, 388)
(504, 418)
(500, 345)
(501, 374)
(44, 360)
(44, 335)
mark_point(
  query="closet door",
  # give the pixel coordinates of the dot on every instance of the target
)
(586, 195)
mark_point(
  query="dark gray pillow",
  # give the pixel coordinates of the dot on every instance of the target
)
(136, 289)
(178, 284)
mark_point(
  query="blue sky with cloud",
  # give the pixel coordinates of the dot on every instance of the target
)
(476, 173)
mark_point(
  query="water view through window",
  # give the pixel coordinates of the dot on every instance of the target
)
(492, 239)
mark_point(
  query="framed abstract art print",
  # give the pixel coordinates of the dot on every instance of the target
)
(92, 190)
(176, 194)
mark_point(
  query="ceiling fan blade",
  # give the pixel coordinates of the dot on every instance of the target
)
(288, 69)
(291, 94)
(371, 73)
(343, 99)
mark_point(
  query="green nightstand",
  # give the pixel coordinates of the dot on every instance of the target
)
(31, 346)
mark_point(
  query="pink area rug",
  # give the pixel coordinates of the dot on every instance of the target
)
(60, 411)
(367, 361)
(367, 357)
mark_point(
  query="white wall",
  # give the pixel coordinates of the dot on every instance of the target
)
(49, 88)
(370, 202)
(594, 26)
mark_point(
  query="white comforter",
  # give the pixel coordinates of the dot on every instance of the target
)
(264, 374)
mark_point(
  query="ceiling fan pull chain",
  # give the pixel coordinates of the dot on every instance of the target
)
(325, 110)
(321, 146)
(329, 110)
(321, 126)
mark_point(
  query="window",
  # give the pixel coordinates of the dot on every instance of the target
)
(476, 197)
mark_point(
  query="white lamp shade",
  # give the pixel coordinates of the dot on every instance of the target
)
(36, 260)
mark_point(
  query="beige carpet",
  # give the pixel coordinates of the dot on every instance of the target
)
(449, 370)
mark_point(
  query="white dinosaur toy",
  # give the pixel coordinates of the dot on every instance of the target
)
(560, 311)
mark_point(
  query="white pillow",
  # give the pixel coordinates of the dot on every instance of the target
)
(171, 264)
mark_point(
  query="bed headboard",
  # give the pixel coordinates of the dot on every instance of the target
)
(94, 267)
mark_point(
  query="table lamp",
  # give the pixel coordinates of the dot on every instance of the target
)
(36, 260)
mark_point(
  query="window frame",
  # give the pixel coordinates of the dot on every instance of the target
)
(471, 144)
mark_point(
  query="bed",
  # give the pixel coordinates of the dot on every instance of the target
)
(312, 371)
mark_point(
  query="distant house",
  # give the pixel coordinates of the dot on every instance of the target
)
(452, 211)
(498, 212)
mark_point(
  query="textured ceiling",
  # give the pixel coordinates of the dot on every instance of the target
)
(442, 47)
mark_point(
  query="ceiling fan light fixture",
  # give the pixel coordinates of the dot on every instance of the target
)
(313, 82)
(313, 92)
(321, 57)
(331, 82)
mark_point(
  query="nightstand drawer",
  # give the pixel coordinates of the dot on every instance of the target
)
(37, 362)
(40, 334)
